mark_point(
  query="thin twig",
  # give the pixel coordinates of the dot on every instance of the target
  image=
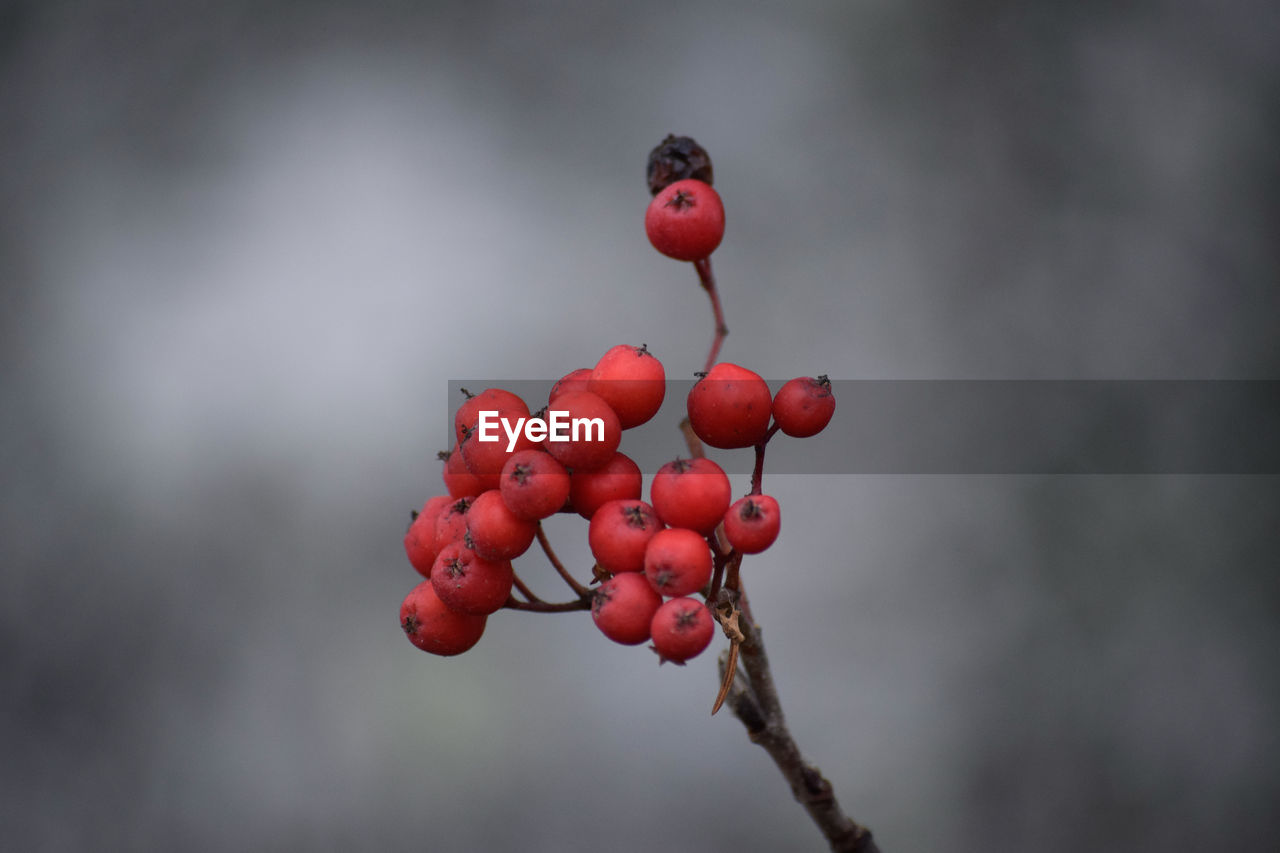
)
(708, 281)
(524, 589)
(578, 588)
(547, 607)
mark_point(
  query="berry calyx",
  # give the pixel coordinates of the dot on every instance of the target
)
(677, 562)
(623, 608)
(752, 523)
(681, 629)
(685, 220)
(433, 627)
(692, 493)
(729, 407)
(804, 406)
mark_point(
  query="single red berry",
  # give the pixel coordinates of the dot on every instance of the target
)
(619, 532)
(729, 407)
(434, 628)
(458, 481)
(677, 561)
(617, 479)
(574, 380)
(681, 629)
(692, 493)
(451, 523)
(752, 523)
(505, 403)
(804, 406)
(496, 532)
(623, 608)
(420, 538)
(685, 220)
(631, 380)
(468, 583)
(534, 485)
(591, 427)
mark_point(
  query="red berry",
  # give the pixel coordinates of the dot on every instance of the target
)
(752, 523)
(681, 629)
(619, 532)
(804, 406)
(434, 628)
(467, 583)
(685, 220)
(631, 381)
(623, 608)
(505, 403)
(458, 481)
(617, 479)
(534, 485)
(420, 538)
(574, 380)
(729, 407)
(496, 532)
(677, 562)
(593, 447)
(451, 523)
(692, 493)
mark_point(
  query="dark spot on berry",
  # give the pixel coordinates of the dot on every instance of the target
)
(682, 200)
(686, 619)
(410, 624)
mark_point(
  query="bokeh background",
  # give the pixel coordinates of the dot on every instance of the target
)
(245, 245)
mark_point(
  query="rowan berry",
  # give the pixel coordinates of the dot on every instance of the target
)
(420, 538)
(458, 481)
(574, 380)
(468, 583)
(692, 493)
(617, 479)
(485, 459)
(619, 532)
(534, 485)
(496, 532)
(804, 406)
(685, 220)
(752, 523)
(433, 627)
(593, 447)
(631, 380)
(730, 406)
(451, 523)
(682, 628)
(623, 608)
(504, 402)
(677, 561)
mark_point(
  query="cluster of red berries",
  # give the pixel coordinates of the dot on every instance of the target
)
(651, 558)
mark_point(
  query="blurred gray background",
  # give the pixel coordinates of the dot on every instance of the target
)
(244, 246)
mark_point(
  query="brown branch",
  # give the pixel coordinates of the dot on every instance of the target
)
(524, 589)
(578, 588)
(754, 700)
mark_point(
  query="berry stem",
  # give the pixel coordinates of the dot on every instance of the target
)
(578, 588)
(708, 281)
(545, 607)
(757, 473)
